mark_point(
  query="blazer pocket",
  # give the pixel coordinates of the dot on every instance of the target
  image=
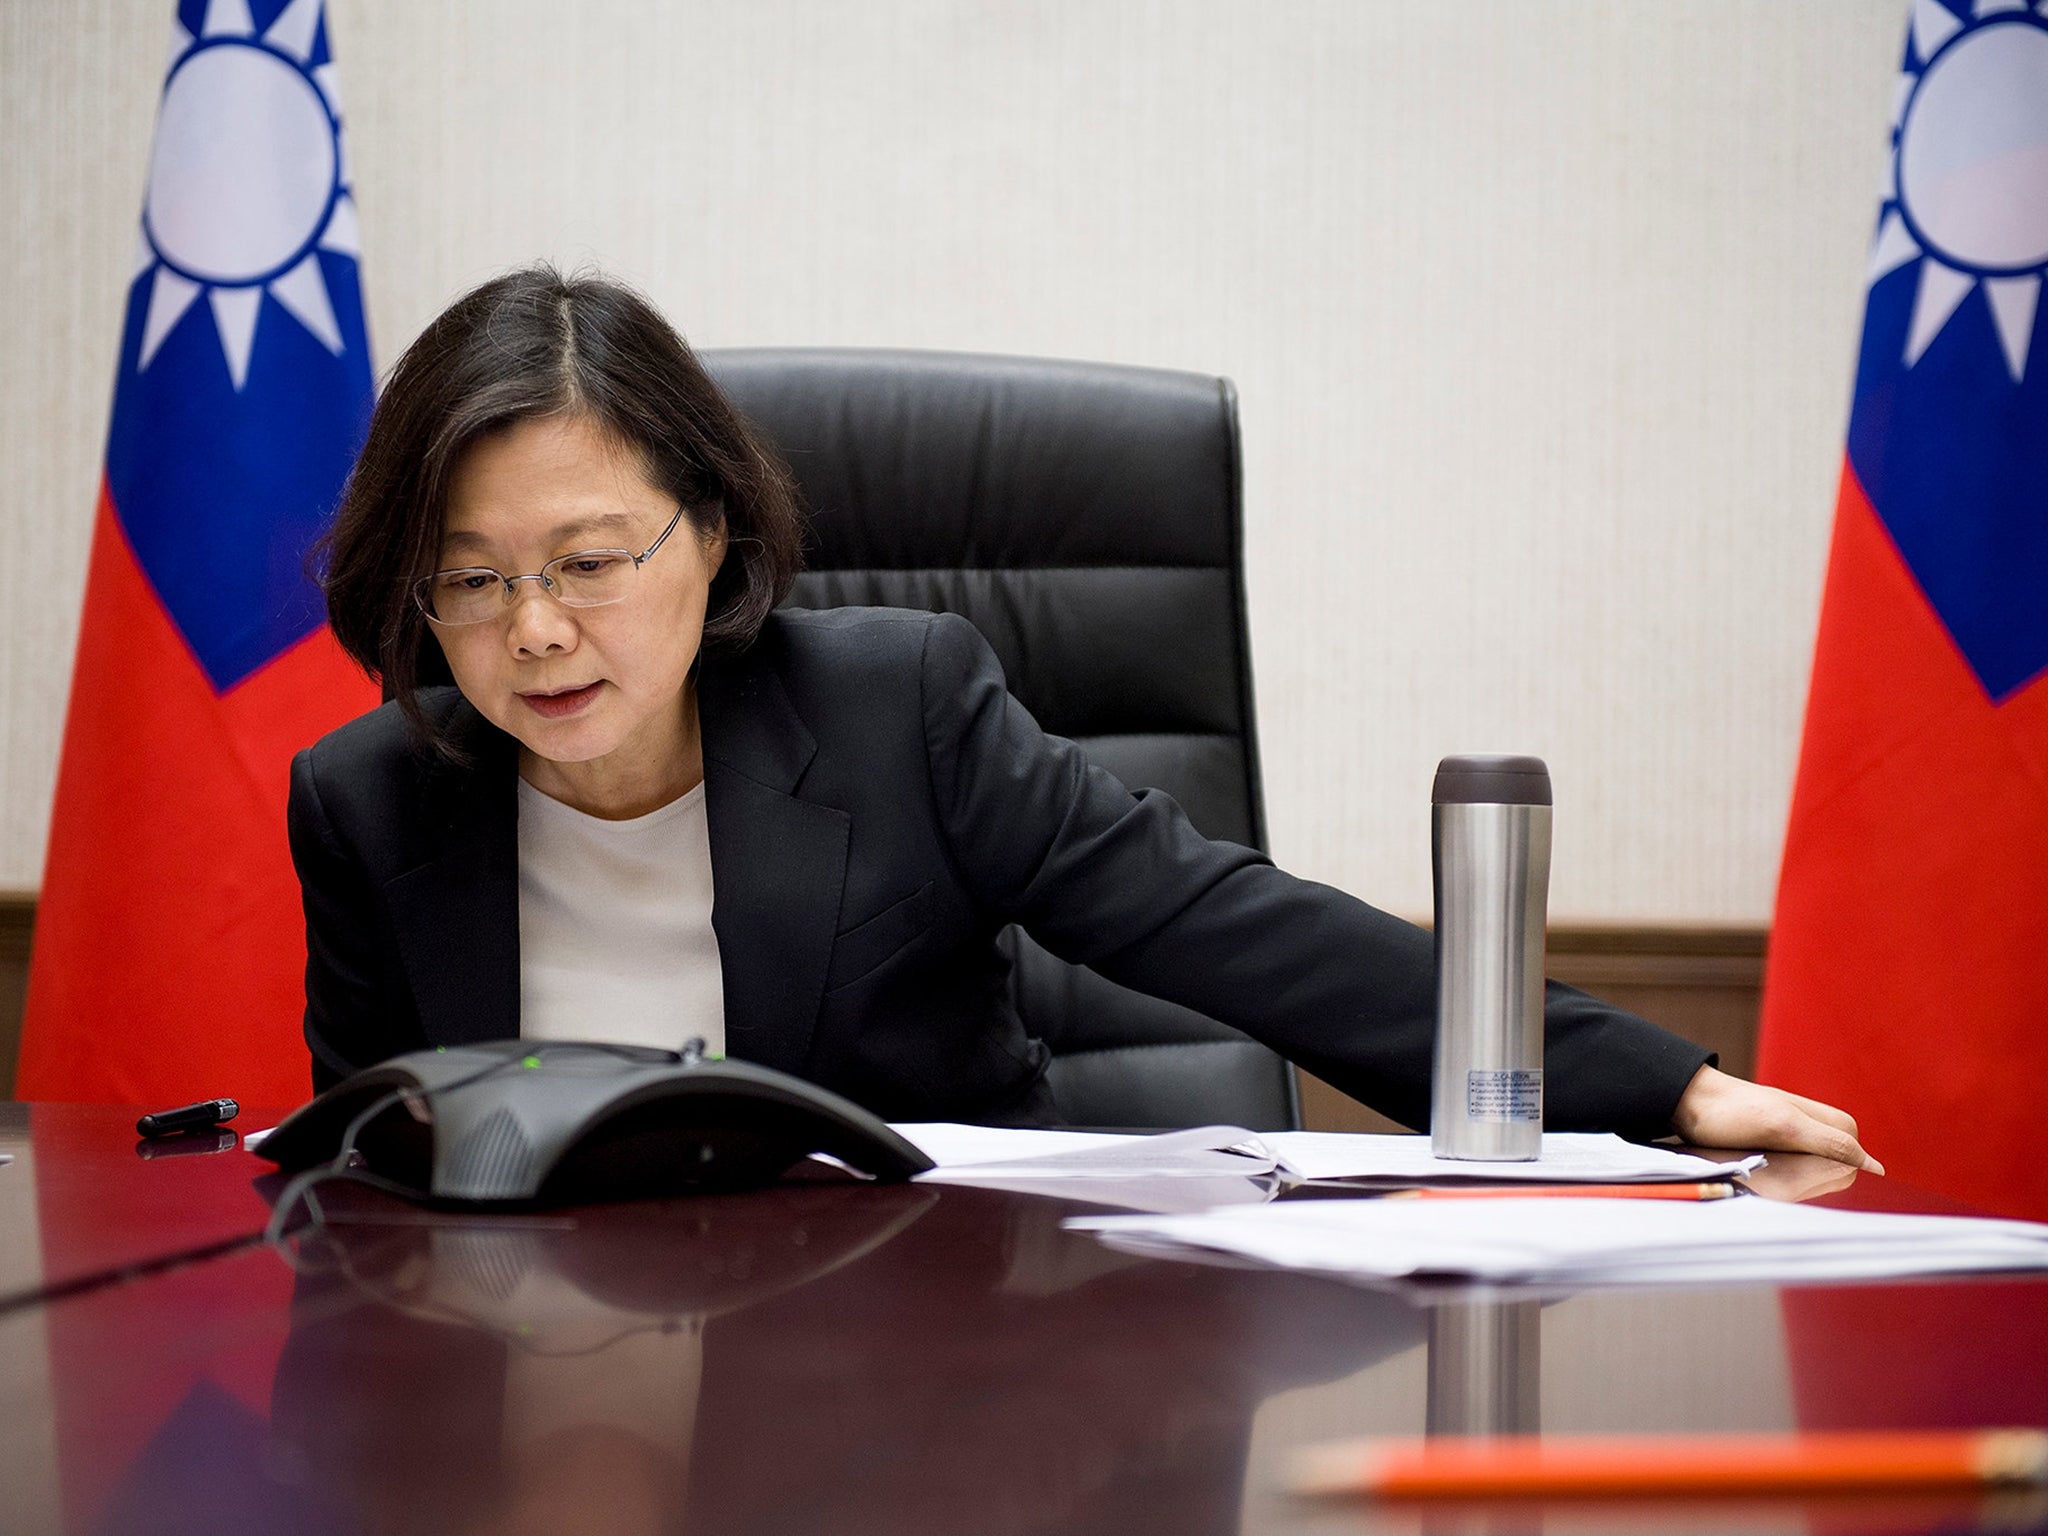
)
(868, 946)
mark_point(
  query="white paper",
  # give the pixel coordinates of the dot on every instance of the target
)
(1567, 1158)
(975, 1154)
(1584, 1242)
(972, 1154)
(952, 1146)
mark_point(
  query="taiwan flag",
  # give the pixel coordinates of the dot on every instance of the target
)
(1908, 973)
(169, 947)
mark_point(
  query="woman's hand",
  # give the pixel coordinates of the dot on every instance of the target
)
(1717, 1110)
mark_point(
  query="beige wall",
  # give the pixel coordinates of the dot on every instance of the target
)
(1542, 311)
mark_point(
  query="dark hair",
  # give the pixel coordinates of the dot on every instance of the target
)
(534, 343)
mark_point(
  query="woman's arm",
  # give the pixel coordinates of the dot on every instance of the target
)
(1124, 884)
(343, 993)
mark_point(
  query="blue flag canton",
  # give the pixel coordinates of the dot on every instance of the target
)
(1948, 433)
(244, 387)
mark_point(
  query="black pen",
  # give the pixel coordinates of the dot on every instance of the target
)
(190, 1117)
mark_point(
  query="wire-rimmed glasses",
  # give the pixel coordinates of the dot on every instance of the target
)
(588, 578)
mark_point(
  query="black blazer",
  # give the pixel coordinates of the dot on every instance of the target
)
(879, 808)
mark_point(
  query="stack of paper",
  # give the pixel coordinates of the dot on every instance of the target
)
(1227, 1165)
(1567, 1158)
(975, 1153)
(1578, 1243)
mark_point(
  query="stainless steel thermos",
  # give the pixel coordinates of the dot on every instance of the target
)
(1490, 847)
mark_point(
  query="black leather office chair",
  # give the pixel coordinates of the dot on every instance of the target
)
(1088, 520)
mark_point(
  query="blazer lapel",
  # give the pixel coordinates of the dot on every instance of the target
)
(778, 863)
(457, 912)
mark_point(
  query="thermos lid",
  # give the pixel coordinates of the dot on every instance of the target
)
(1481, 778)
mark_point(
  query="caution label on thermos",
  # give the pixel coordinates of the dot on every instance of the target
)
(1504, 1096)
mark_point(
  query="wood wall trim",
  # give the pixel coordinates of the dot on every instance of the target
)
(1612, 956)
(1649, 939)
(17, 923)
(17, 929)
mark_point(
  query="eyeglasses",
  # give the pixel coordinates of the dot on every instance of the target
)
(589, 578)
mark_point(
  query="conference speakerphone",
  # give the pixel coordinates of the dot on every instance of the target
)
(511, 1123)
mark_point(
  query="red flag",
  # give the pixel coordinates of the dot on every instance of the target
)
(1908, 974)
(169, 948)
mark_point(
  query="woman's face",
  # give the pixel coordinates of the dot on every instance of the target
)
(599, 698)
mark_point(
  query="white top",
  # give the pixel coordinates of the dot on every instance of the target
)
(615, 939)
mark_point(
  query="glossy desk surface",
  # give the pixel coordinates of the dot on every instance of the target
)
(86, 1199)
(839, 1357)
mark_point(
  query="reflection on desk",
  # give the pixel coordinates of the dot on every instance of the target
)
(852, 1357)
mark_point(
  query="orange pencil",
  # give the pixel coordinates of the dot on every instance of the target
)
(1577, 1466)
(1720, 1190)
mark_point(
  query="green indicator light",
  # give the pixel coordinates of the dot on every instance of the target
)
(531, 1061)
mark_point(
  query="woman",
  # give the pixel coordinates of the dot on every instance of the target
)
(558, 511)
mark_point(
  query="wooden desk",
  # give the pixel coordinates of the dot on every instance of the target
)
(847, 1358)
(80, 1204)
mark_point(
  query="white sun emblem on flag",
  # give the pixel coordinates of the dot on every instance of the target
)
(247, 182)
(1969, 171)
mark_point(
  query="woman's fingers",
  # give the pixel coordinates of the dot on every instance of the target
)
(1717, 1110)
(1841, 1119)
(1824, 1137)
